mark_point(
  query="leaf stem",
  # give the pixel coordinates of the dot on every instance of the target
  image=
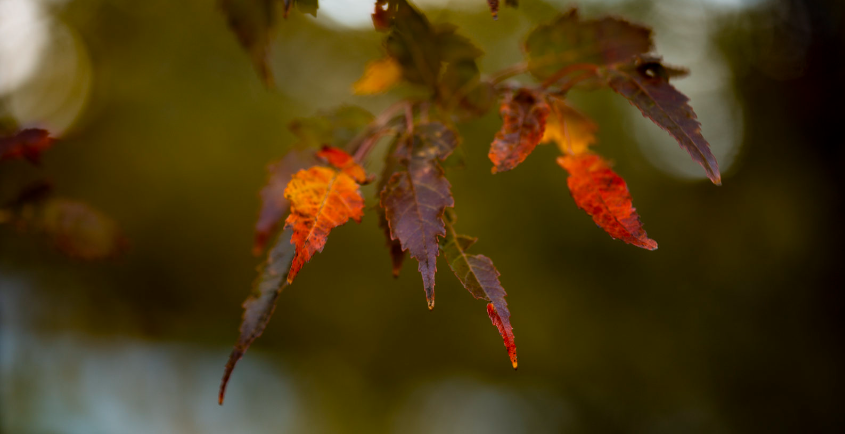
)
(506, 73)
(364, 142)
(590, 69)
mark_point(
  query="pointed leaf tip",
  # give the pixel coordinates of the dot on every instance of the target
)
(668, 108)
(505, 329)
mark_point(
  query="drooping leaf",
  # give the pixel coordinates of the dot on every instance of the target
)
(274, 206)
(28, 143)
(568, 40)
(379, 76)
(524, 122)
(647, 88)
(571, 130)
(421, 49)
(321, 199)
(343, 161)
(478, 275)
(453, 47)
(331, 127)
(253, 22)
(259, 306)
(415, 199)
(391, 165)
(604, 196)
(462, 91)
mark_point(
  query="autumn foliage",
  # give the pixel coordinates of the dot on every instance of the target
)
(75, 228)
(316, 186)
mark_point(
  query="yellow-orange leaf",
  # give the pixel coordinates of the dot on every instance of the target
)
(379, 76)
(570, 129)
(321, 199)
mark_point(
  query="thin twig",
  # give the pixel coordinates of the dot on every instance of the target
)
(361, 143)
(506, 73)
(563, 72)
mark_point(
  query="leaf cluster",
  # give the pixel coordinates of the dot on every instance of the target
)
(317, 184)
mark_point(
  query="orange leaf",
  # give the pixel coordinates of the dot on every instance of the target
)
(343, 161)
(379, 76)
(603, 195)
(28, 143)
(524, 115)
(321, 199)
(570, 129)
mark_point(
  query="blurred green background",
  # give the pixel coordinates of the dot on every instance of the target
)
(733, 326)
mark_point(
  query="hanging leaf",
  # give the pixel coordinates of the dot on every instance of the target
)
(261, 303)
(604, 196)
(524, 121)
(415, 199)
(419, 48)
(321, 199)
(645, 85)
(568, 40)
(478, 275)
(392, 165)
(253, 22)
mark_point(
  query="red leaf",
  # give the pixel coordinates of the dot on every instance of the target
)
(321, 199)
(414, 199)
(343, 161)
(524, 121)
(604, 196)
(28, 143)
(501, 319)
(646, 86)
(259, 306)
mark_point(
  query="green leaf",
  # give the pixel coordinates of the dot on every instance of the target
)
(568, 40)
